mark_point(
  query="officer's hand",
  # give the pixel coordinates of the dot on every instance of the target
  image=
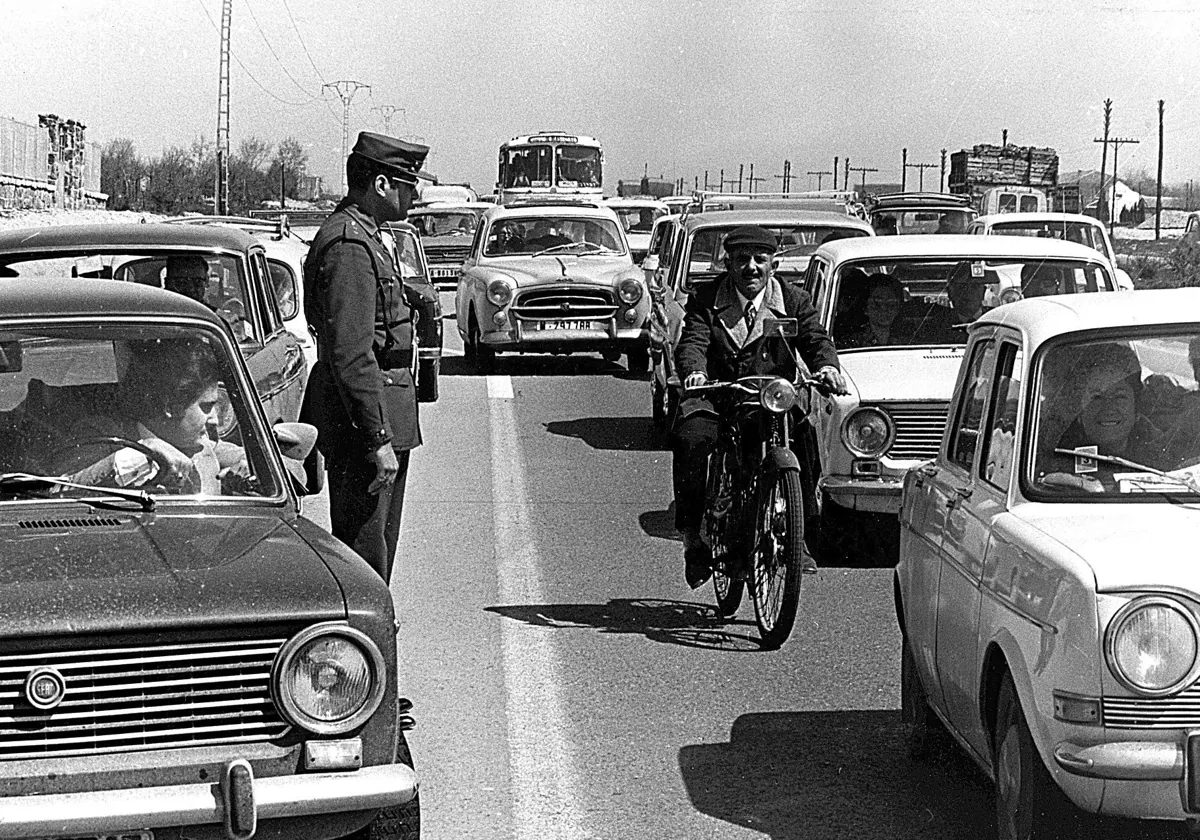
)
(695, 379)
(832, 379)
(386, 467)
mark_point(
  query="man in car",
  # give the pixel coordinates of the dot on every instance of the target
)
(722, 338)
(361, 394)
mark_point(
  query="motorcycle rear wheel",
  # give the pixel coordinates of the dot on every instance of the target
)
(775, 577)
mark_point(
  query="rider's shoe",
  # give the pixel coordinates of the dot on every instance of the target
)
(697, 559)
(808, 565)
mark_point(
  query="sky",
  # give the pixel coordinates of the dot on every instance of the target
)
(674, 89)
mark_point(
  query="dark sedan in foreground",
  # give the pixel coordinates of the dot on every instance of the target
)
(182, 654)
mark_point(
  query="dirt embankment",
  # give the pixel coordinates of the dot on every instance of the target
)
(46, 218)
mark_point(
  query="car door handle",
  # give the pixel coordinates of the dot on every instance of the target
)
(927, 471)
(961, 494)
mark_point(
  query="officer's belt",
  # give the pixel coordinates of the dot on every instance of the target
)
(393, 358)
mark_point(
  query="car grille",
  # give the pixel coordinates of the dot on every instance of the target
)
(446, 253)
(1179, 711)
(547, 304)
(919, 429)
(133, 698)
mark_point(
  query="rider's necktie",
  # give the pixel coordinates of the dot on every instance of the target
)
(751, 312)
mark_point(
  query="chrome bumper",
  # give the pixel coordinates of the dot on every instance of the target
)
(1132, 760)
(244, 802)
(876, 495)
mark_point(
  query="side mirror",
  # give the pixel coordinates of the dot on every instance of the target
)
(650, 263)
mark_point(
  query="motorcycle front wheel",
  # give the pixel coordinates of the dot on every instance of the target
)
(728, 581)
(775, 578)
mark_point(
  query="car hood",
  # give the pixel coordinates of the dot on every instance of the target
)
(560, 269)
(1127, 546)
(121, 573)
(902, 374)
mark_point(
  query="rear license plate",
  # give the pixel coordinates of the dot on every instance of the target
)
(566, 325)
(438, 273)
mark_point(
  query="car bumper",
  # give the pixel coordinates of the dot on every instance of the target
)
(603, 336)
(1132, 760)
(276, 797)
(874, 495)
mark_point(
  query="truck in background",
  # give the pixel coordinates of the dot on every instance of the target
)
(1011, 179)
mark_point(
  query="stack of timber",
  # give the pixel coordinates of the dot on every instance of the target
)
(990, 165)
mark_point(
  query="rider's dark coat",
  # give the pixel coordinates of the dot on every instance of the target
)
(716, 340)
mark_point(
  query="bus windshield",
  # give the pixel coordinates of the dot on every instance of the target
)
(578, 166)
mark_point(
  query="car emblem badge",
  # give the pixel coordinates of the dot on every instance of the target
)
(565, 306)
(45, 688)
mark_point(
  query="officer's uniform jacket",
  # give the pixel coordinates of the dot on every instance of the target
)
(717, 341)
(361, 392)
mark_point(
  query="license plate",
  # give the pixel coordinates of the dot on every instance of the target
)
(443, 272)
(566, 325)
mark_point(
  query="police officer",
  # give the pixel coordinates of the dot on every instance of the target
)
(361, 393)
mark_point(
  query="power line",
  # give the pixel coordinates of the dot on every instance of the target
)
(300, 38)
(245, 69)
(278, 60)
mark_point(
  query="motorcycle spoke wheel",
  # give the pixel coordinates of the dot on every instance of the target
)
(775, 578)
(728, 585)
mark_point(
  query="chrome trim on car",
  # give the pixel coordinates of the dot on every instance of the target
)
(287, 704)
(1129, 760)
(560, 303)
(919, 428)
(278, 797)
(1178, 711)
(123, 699)
(1118, 621)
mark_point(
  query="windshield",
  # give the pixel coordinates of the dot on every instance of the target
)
(216, 280)
(527, 166)
(540, 233)
(146, 407)
(578, 166)
(638, 219)
(930, 301)
(706, 257)
(1080, 232)
(446, 223)
(887, 222)
(1132, 397)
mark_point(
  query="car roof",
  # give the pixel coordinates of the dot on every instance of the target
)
(954, 246)
(774, 217)
(635, 201)
(22, 297)
(994, 218)
(1042, 318)
(448, 206)
(118, 235)
(889, 201)
(565, 208)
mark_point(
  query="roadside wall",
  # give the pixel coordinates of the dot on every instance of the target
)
(25, 171)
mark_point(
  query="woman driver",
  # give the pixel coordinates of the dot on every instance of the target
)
(169, 397)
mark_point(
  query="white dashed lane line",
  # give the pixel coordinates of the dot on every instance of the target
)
(500, 388)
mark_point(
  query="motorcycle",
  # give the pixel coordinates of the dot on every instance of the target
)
(754, 502)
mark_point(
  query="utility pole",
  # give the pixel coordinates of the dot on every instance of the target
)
(864, 170)
(845, 175)
(221, 188)
(741, 171)
(786, 177)
(706, 180)
(835, 170)
(1117, 142)
(1158, 203)
(722, 180)
(904, 170)
(942, 188)
(754, 180)
(921, 167)
(387, 112)
(819, 173)
(345, 91)
(1103, 157)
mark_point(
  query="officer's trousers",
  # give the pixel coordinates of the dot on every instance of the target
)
(367, 522)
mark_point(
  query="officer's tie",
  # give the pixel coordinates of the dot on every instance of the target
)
(751, 312)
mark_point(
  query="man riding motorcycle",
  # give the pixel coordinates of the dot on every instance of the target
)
(722, 338)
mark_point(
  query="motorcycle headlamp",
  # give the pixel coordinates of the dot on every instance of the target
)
(499, 292)
(868, 432)
(328, 679)
(630, 291)
(1152, 645)
(778, 396)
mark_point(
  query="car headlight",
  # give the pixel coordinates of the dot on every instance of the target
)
(778, 396)
(499, 292)
(328, 679)
(630, 291)
(1151, 644)
(868, 432)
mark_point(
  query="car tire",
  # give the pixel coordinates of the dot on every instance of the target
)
(924, 735)
(1029, 804)
(399, 822)
(483, 358)
(638, 360)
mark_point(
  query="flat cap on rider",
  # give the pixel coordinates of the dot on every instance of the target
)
(752, 237)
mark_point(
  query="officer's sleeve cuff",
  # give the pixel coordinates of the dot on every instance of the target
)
(377, 440)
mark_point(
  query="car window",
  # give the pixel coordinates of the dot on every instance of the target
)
(818, 271)
(265, 296)
(564, 234)
(445, 223)
(964, 437)
(996, 461)
(284, 282)
(637, 219)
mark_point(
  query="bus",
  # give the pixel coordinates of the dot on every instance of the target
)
(550, 163)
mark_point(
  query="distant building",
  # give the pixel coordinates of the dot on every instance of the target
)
(310, 188)
(48, 165)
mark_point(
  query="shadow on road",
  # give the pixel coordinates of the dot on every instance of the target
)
(669, 622)
(660, 523)
(630, 434)
(823, 775)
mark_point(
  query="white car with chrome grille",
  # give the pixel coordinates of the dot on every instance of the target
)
(553, 276)
(900, 357)
(1047, 589)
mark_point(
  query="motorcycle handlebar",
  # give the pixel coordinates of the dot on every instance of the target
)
(744, 385)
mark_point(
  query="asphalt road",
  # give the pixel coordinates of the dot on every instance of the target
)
(567, 683)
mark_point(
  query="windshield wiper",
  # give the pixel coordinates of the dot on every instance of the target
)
(26, 482)
(1185, 479)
